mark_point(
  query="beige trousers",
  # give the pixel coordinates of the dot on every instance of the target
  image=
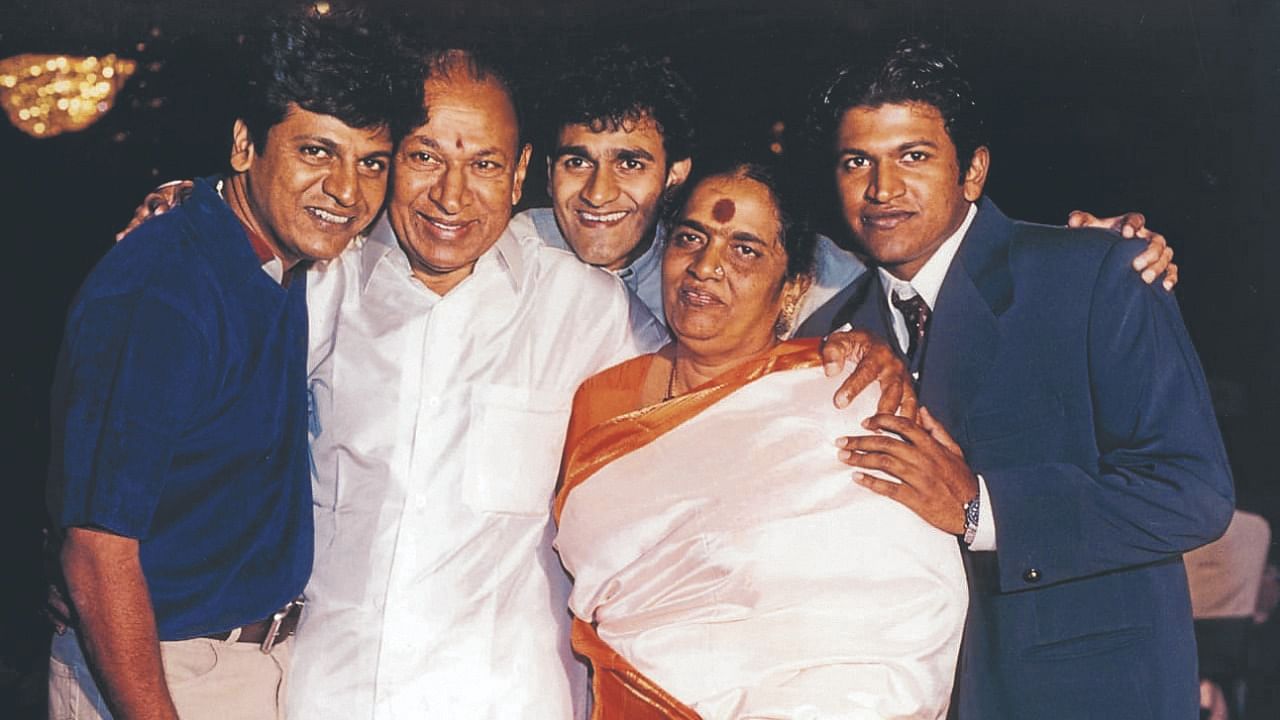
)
(207, 679)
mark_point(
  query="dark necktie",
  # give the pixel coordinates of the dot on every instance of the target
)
(916, 312)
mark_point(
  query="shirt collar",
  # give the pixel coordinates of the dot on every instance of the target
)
(927, 283)
(645, 265)
(271, 264)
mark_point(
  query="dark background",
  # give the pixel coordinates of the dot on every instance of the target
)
(1170, 108)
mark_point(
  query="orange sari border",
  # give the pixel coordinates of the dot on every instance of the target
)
(621, 692)
(614, 438)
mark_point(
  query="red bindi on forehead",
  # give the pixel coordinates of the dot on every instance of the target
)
(724, 210)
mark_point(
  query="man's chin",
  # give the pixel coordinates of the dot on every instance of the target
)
(600, 254)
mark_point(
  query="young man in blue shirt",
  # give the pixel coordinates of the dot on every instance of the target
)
(179, 478)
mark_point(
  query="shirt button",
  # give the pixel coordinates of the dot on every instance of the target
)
(1031, 576)
(420, 503)
(433, 402)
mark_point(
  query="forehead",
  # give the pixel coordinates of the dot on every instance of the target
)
(891, 125)
(753, 207)
(475, 111)
(603, 139)
(299, 123)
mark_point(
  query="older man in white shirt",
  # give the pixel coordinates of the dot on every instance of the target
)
(445, 352)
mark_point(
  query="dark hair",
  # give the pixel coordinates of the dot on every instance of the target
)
(613, 89)
(797, 237)
(331, 64)
(915, 71)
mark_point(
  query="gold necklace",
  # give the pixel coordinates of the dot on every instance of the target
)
(671, 378)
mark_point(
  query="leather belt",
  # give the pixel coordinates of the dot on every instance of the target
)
(266, 632)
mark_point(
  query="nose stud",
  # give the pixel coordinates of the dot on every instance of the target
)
(719, 271)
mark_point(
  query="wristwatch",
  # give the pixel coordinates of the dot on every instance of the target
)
(971, 519)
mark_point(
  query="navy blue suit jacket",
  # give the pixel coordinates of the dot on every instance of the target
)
(1075, 392)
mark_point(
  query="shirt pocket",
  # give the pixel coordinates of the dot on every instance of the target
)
(513, 449)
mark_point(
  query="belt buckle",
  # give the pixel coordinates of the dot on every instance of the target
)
(277, 619)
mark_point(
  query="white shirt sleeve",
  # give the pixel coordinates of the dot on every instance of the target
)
(985, 539)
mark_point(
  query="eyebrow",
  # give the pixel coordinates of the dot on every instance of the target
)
(634, 154)
(900, 148)
(577, 150)
(631, 153)
(741, 235)
(434, 145)
(334, 147)
(316, 139)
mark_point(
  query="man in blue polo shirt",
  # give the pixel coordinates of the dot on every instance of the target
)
(179, 476)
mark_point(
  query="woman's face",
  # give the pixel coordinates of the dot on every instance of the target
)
(724, 270)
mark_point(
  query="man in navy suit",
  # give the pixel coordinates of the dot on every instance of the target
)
(1085, 458)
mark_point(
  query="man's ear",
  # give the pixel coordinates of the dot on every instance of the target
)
(522, 166)
(241, 147)
(976, 176)
(679, 172)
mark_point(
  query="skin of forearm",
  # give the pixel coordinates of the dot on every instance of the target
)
(117, 625)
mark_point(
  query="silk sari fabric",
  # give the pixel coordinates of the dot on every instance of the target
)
(726, 566)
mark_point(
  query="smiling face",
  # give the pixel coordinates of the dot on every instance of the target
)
(606, 189)
(457, 178)
(900, 183)
(316, 183)
(724, 270)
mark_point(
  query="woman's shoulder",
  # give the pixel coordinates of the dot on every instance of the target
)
(625, 377)
(609, 393)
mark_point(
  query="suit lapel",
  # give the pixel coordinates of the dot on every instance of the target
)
(964, 334)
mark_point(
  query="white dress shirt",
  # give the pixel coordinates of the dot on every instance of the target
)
(437, 431)
(833, 268)
(927, 283)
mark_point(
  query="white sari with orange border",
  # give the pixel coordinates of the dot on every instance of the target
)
(726, 566)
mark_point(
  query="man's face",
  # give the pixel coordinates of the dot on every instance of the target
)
(456, 178)
(899, 182)
(607, 188)
(315, 185)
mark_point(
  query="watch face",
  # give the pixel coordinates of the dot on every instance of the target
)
(971, 520)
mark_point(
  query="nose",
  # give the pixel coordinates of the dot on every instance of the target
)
(707, 261)
(884, 184)
(448, 192)
(601, 188)
(342, 184)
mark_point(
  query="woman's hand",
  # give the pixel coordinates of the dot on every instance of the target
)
(873, 361)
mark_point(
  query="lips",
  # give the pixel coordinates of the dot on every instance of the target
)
(329, 217)
(447, 229)
(697, 297)
(590, 218)
(885, 219)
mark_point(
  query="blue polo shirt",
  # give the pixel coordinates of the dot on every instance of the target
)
(179, 418)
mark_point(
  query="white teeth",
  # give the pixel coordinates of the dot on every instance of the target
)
(445, 226)
(698, 298)
(605, 218)
(329, 217)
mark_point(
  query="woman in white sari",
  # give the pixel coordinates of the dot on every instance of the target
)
(725, 564)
